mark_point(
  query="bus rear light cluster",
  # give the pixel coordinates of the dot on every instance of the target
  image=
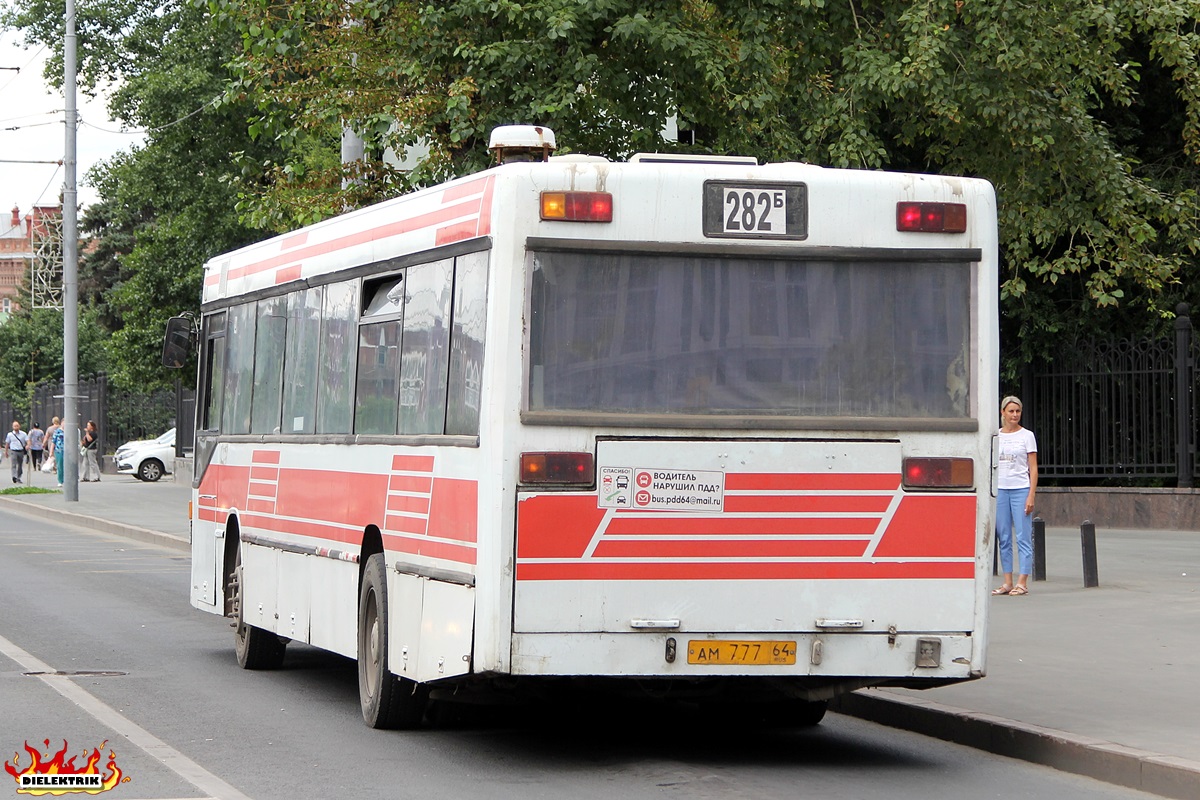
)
(931, 217)
(571, 469)
(939, 473)
(578, 206)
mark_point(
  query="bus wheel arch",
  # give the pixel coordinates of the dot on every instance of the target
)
(255, 648)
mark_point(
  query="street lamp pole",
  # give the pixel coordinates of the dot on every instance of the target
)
(70, 271)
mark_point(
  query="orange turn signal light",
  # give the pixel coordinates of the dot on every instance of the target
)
(577, 206)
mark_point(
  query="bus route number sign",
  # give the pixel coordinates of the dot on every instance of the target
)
(754, 210)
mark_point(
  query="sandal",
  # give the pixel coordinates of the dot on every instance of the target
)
(1017, 591)
(1005, 589)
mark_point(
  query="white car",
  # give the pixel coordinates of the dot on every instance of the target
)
(147, 460)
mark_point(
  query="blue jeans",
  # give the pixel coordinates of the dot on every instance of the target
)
(1010, 515)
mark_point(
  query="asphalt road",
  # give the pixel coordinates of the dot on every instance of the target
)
(120, 658)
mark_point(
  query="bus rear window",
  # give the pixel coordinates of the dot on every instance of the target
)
(641, 333)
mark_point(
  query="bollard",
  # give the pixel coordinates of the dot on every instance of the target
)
(1039, 549)
(1091, 572)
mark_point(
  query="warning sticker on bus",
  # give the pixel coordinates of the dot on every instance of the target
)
(655, 489)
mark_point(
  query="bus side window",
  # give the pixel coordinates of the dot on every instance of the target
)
(377, 389)
(239, 369)
(301, 352)
(213, 377)
(424, 351)
(269, 343)
(466, 344)
(339, 348)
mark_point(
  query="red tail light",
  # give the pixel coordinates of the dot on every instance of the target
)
(931, 217)
(578, 206)
(575, 469)
(939, 473)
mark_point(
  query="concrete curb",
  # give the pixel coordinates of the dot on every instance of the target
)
(1168, 776)
(101, 525)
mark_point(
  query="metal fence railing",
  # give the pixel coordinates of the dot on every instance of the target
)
(120, 415)
(1117, 410)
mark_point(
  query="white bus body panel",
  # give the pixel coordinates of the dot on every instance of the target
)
(492, 618)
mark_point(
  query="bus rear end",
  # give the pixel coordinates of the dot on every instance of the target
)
(753, 452)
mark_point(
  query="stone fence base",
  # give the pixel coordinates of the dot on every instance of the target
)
(1108, 507)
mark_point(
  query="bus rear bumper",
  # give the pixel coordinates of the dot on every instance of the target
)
(875, 657)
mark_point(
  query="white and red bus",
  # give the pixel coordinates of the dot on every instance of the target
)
(700, 426)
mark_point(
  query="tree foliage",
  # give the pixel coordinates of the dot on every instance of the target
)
(31, 351)
(169, 204)
(1086, 116)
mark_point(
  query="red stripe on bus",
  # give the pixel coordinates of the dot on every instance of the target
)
(684, 525)
(457, 232)
(264, 457)
(396, 228)
(485, 208)
(258, 473)
(770, 570)
(396, 522)
(261, 506)
(405, 483)
(228, 484)
(458, 553)
(725, 548)
(262, 489)
(738, 504)
(413, 505)
(802, 481)
(308, 530)
(453, 510)
(929, 526)
(288, 274)
(412, 463)
(468, 189)
(348, 498)
(293, 241)
(556, 526)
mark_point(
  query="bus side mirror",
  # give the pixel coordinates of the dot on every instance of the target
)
(177, 343)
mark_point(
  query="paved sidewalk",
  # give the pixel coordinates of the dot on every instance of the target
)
(1101, 681)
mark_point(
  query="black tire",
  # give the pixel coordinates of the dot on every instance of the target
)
(151, 470)
(255, 647)
(387, 700)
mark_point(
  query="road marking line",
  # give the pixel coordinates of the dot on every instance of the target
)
(138, 736)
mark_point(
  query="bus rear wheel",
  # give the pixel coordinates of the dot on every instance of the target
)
(387, 700)
(255, 647)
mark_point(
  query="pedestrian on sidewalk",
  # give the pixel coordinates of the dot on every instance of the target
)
(37, 438)
(1016, 485)
(89, 443)
(15, 445)
(58, 446)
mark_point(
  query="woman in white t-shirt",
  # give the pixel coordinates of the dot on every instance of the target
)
(1016, 487)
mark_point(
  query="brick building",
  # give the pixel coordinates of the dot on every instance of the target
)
(17, 249)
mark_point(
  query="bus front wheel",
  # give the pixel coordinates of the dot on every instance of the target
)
(255, 647)
(387, 700)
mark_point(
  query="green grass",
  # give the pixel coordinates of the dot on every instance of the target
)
(29, 490)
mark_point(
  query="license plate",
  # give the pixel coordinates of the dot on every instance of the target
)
(725, 652)
(754, 210)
